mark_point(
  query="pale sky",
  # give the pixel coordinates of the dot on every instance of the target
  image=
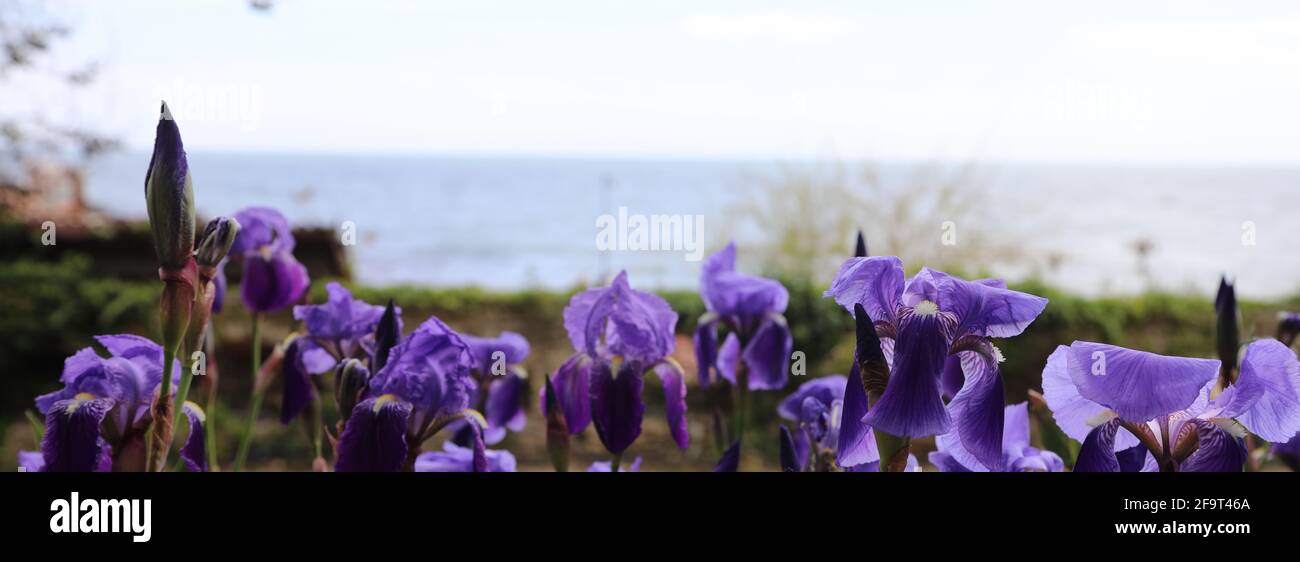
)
(1100, 81)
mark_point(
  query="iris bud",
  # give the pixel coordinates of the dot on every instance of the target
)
(1288, 326)
(216, 240)
(169, 195)
(350, 380)
(387, 334)
(1228, 334)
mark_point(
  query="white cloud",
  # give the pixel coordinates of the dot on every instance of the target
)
(771, 26)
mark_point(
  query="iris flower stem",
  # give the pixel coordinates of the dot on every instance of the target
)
(742, 400)
(613, 463)
(151, 445)
(255, 404)
(182, 392)
(210, 436)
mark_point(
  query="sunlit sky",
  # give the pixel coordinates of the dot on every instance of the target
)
(1012, 80)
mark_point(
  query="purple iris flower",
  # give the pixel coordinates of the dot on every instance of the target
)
(1017, 454)
(751, 308)
(422, 388)
(820, 407)
(935, 332)
(1112, 399)
(454, 458)
(499, 385)
(607, 466)
(620, 334)
(273, 278)
(340, 329)
(97, 421)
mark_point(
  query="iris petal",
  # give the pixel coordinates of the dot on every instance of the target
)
(876, 283)
(674, 382)
(616, 406)
(978, 413)
(706, 349)
(856, 444)
(911, 405)
(1074, 414)
(193, 453)
(1266, 396)
(767, 355)
(72, 440)
(1218, 451)
(1098, 451)
(1137, 385)
(374, 439)
(572, 384)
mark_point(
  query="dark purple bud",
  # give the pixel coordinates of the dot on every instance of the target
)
(730, 461)
(860, 251)
(1288, 326)
(169, 195)
(216, 240)
(1228, 334)
(871, 360)
(386, 335)
(789, 460)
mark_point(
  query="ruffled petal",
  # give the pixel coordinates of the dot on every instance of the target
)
(876, 283)
(513, 349)
(341, 317)
(988, 310)
(374, 439)
(674, 381)
(728, 293)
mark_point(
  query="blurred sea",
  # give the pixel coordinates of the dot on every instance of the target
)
(511, 222)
